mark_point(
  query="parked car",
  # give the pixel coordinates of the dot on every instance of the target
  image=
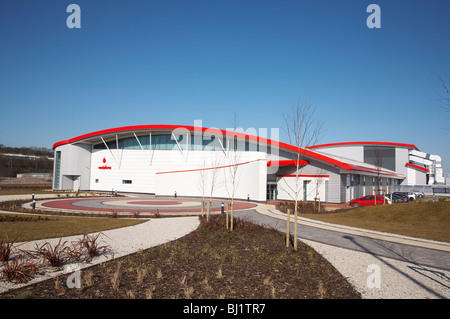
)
(403, 195)
(367, 201)
(410, 196)
(397, 198)
(419, 194)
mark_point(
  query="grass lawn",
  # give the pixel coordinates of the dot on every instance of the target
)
(430, 220)
(32, 228)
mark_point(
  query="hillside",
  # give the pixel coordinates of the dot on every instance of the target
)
(17, 160)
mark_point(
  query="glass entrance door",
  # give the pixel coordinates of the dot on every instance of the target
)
(272, 191)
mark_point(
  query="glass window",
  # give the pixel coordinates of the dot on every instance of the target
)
(195, 141)
(211, 143)
(100, 146)
(129, 143)
(159, 142)
(380, 156)
(145, 141)
(181, 139)
(57, 169)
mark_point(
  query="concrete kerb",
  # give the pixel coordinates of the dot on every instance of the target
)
(271, 211)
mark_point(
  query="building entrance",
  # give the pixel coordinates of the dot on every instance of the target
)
(272, 191)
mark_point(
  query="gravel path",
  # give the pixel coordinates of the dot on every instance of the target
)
(386, 278)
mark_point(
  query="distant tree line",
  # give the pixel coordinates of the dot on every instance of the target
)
(11, 166)
(33, 150)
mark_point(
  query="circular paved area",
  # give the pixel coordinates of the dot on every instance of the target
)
(137, 204)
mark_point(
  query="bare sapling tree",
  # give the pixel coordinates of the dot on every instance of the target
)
(231, 176)
(378, 161)
(303, 130)
(234, 147)
(202, 181)
(208, 175)
(213, 176)
(320, 178)
(202, 184)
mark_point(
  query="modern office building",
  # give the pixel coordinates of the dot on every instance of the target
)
(195, 161)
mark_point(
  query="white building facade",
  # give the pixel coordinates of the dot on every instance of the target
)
(201, 162)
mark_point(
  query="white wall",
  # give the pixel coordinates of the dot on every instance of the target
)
(141, 168)
(250, 180)
(414, 177)
(286, 186)
(401, 158)
(353, 152)
(75, 165)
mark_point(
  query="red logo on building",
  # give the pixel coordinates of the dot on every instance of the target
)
(104, 165)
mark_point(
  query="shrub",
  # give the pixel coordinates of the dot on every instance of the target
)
(302, 207)
(20, 218)
(56, 256)
(136, 214)
(89, 246)
(19, 269)
(5, 249)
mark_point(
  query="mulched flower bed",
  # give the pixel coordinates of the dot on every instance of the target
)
(251, 262)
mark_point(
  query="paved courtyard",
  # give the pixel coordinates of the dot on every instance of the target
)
(131, 205)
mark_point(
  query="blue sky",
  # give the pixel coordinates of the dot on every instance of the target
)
(173, 62)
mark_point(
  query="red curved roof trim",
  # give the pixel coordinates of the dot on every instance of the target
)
(418, 167)
(208, 130)
(412, 146)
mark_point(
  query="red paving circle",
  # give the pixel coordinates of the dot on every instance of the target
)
(70, 204)
(154, 202)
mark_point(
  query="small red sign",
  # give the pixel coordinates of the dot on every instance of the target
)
(104, 166)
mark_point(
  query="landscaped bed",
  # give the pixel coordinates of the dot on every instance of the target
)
(211, 262)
